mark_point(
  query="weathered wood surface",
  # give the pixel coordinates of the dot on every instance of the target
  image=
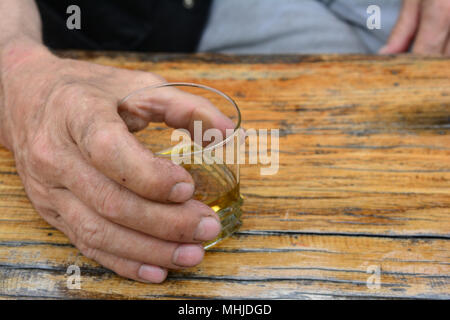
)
(364, 184)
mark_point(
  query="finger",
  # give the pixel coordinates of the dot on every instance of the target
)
(123, 267)
(130, 269)
(447, 47)
(175, 107)
(405, 28)
(96, 233)
(106, 143)
(191, 221)
(433, 29)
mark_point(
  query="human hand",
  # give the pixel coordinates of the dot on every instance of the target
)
(424, 24)
(88, 176)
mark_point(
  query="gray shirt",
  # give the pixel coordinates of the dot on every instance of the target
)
(297, 26)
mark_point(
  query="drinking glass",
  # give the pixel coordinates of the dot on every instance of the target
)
(212, 160)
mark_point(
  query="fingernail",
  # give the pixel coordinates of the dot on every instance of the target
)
(188, 255)
(181, 192)
(152, 274)
(207, 229)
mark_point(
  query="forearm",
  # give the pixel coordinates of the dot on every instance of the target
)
(20, 38)
(20, 24)
(19, 17)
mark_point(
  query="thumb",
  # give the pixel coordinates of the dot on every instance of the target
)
(176, 107)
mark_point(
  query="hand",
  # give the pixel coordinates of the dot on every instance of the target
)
(88, 176)
(423, 23)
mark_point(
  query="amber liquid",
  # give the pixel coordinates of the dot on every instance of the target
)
(217, 187)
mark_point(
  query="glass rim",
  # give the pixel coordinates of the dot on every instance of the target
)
(194, 85)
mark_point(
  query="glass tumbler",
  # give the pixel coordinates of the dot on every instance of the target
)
(205, 140)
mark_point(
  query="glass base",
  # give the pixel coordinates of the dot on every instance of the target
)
(230, 218)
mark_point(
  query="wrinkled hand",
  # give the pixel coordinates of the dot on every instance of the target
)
(424, 24)
(88, 176)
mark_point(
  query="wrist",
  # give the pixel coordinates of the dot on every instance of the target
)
(18, 51)
(17, 58)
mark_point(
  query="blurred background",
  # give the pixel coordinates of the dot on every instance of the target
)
(226, 26)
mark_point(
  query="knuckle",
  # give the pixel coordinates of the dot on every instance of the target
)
(69, 91)
(38, 193)
(91, 234)
(110, 201)
(101, 142)
(86, 104)
(87, 251)
(103, 136)
(41, 154)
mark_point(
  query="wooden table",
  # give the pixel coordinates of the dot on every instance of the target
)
(363, 187)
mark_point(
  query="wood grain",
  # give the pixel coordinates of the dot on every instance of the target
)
(364, 182)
